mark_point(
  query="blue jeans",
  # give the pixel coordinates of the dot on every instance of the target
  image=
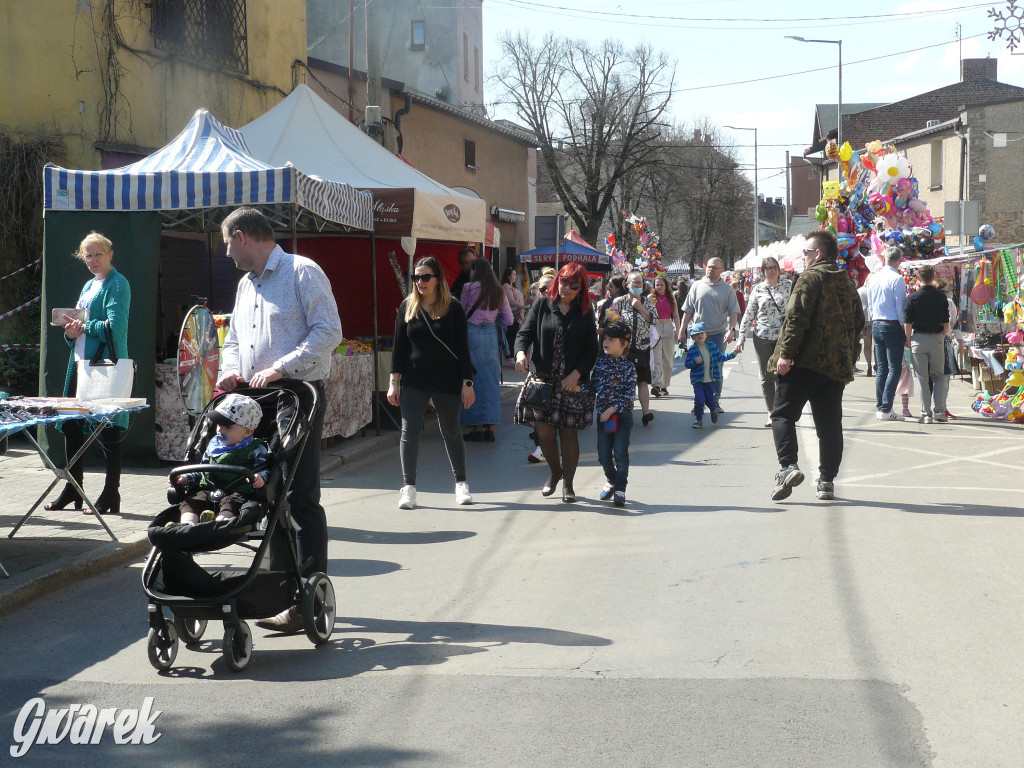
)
(704, 394)
(719, 339)
(613, 450)
(889, 339)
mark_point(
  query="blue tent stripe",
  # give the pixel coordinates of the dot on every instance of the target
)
(158, 180)
(77, 203)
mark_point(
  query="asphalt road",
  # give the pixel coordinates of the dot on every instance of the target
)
(704, 625)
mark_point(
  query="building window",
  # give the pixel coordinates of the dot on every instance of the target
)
(211, 32)
(471, 154)
(936, 174)
(476, 68)
(465, 55)
(416, 42)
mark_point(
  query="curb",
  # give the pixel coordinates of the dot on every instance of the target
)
(82, 567)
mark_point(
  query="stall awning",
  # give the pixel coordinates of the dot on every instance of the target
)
(208, 165)
(509, 215)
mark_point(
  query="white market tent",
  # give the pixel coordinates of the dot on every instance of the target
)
(306, 131)
(789, 253)
(206, 166)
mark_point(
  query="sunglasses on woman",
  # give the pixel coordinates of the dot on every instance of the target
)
(572, 286)
(423, 278)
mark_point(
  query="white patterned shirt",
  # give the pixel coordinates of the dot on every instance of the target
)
(285, 317)
(767, 306)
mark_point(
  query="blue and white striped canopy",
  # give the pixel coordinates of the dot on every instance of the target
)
(207, 166)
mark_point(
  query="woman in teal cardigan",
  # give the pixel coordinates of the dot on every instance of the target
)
(107, 298)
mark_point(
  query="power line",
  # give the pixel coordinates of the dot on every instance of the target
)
(731, 20)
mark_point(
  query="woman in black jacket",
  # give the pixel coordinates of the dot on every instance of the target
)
(563, 334)
(430, 361)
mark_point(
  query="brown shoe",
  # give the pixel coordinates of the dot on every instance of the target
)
(287, 622)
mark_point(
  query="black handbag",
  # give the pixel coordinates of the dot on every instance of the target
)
(536, 393)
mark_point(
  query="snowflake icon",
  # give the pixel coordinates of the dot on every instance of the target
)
(1010, 22)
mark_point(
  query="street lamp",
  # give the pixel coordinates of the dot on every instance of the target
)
(839, 114)
(757, 200)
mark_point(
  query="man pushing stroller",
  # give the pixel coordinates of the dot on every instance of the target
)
(213, 495)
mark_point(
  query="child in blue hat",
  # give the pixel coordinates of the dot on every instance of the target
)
(704, 360)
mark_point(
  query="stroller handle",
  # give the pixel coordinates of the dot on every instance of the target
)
(229, 468)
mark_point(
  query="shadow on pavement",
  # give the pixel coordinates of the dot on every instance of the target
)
(397, 537)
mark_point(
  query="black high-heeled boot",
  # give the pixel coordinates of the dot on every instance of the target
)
(109, 501)
(67, 496)
(72, 443)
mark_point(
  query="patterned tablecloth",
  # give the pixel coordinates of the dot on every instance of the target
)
(349, 403)
(349, 395)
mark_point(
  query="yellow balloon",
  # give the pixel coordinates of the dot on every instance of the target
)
(845, 152)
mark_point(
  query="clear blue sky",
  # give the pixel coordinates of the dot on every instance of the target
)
(727, 50)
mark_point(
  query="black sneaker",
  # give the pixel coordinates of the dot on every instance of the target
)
(826, 490)
(786, 479)
(620, 498)
(714, 416)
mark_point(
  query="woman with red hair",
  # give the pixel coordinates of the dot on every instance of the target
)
(562, 332)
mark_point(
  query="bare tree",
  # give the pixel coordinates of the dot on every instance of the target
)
(596, 112)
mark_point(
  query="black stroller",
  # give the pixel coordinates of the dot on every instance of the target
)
(274, 581)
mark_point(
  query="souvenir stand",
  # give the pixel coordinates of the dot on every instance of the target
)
(188, 186)
(413, 214)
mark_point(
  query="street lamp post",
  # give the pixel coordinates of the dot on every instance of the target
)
(757, 200)
(839, 114)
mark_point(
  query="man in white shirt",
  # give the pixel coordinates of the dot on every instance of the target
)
(284, 324)
(887, 300)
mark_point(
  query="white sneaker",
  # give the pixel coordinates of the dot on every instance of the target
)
(768, 423)
(407, 498)
(941, 418)
(888, 416)
(926, 419)
(536, 457)
(462, 494)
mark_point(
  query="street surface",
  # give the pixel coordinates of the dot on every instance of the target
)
(704, 625)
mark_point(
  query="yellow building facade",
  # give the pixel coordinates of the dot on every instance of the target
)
(118, 78)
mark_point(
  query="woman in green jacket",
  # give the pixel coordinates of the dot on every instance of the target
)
(107, 298)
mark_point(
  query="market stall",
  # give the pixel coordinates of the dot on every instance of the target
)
(187, 186)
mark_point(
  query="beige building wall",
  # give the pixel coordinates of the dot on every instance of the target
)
(996, 174)
(63, 72)
(435, 143)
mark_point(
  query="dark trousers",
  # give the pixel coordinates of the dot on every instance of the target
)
(304, 497)
(613, 450)
(796, 389)
(704, 394)
(414, 408)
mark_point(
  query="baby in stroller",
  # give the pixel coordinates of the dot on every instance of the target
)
(208, 493)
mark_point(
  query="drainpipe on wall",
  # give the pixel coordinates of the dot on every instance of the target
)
(398, 119)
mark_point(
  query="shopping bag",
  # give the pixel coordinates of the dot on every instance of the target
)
(952, 367)
(102, 377)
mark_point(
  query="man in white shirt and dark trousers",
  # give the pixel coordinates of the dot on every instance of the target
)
(887, 300)
(284, 324)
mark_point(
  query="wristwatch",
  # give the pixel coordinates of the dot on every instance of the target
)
(467, 383)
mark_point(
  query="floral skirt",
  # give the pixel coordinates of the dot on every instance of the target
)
(569, 410)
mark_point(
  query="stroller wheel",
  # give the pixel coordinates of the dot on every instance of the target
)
(190, 631)
(163, 646)
(237, 646)
(318, 608)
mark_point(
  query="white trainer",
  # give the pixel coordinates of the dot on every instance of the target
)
(407, 498)
(462, 494)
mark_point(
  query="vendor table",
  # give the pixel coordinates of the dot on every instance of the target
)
(99, 421)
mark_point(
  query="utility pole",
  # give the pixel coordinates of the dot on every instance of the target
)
(372, 57)
(351, 62)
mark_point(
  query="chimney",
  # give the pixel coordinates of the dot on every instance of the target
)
(978, 69)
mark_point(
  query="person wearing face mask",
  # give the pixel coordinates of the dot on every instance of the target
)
(638, 311)
(713, 302)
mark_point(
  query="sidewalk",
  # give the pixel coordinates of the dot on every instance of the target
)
(53, 549)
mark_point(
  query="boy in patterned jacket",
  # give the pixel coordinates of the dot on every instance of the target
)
(613, 380)
(704, 360)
